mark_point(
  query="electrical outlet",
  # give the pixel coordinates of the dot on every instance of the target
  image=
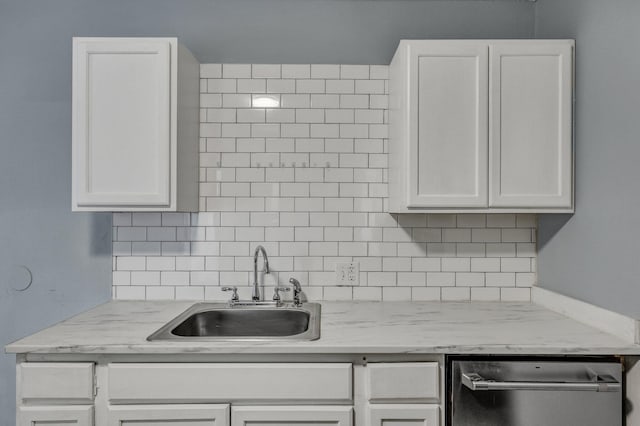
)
(348, 274)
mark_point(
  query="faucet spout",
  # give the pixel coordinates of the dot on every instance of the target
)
(256, 289)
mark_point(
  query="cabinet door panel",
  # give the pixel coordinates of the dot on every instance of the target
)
(169, 415)
(404, 415)
(122, 122)
(55, 416)
(531, 125)
(292, 416)
(448, 152)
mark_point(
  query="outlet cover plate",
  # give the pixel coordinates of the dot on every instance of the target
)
(348, 274)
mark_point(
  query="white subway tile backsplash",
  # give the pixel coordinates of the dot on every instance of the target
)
(294, 157)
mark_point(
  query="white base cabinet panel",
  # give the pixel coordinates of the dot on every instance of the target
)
(169, 415)
(404, 415)
(292, 416)
(55, 416)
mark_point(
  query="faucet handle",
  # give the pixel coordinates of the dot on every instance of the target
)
(234, 296)
(297, 289)
(276, 293)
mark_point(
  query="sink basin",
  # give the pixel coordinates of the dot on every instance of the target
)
(220, 321)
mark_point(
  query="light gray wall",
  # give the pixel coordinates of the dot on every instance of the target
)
(68, 253)
(595, 255)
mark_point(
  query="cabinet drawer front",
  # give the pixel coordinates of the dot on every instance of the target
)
(403, 382)
(65, 381)
(293, 416)
(55, 416)
(169, 415)
(407, 415)
(291, 383)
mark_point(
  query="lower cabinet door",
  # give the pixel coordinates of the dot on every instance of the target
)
(404, 415)
(80, 415)
(292, 416)
(169, 415)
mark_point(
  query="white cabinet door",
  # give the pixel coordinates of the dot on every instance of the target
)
(122, 119)
(531, 124)
(404, 415)
(292, 416)
(169, 415)
(55, 416)
(448, 88)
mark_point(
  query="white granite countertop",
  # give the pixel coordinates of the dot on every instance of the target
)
(121, 327)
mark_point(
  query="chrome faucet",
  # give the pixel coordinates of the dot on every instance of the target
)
(256, 289)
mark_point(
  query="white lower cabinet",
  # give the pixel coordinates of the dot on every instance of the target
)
(169, 415)
(151, 393)
(55, 415)
(292, 416)
(404, 415)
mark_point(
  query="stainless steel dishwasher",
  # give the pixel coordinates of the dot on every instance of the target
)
(537, 392)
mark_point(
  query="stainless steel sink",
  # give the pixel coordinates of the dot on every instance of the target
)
(221, 321)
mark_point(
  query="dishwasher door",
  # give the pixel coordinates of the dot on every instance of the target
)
(535, 393)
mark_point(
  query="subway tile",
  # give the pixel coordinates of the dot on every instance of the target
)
(373, 294)
(396, 294)
(383, 249)
(470, 279)
(354, 71)
(296, 71)
(280, 145)
(279, 234)
(309, 86)
(309, 115)
(251, 116)
(235, 130)
(235, 100)
(221, 85)
(338, 234)
(281, 115)
(370, 86)
(269, 130)
(236, 70)
(339, 145)
(425, 294)
(501, 220)
(210, 70)
(412, 279)
(252, 85)
(265, 71)
(456, 264)
(369, 145)
(281, 86)
(483, 294)
(379, 72)
(296, 101)
(210, 100)
(325, 130)
(353, 101)
(325, 71)
(325, 101)
(515, 294)
(455, 294)
(205, 248)
(340, 86)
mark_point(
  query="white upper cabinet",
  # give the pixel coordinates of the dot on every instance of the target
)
(481, 125)
(135, 125)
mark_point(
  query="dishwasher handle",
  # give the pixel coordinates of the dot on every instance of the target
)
(598, 383)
